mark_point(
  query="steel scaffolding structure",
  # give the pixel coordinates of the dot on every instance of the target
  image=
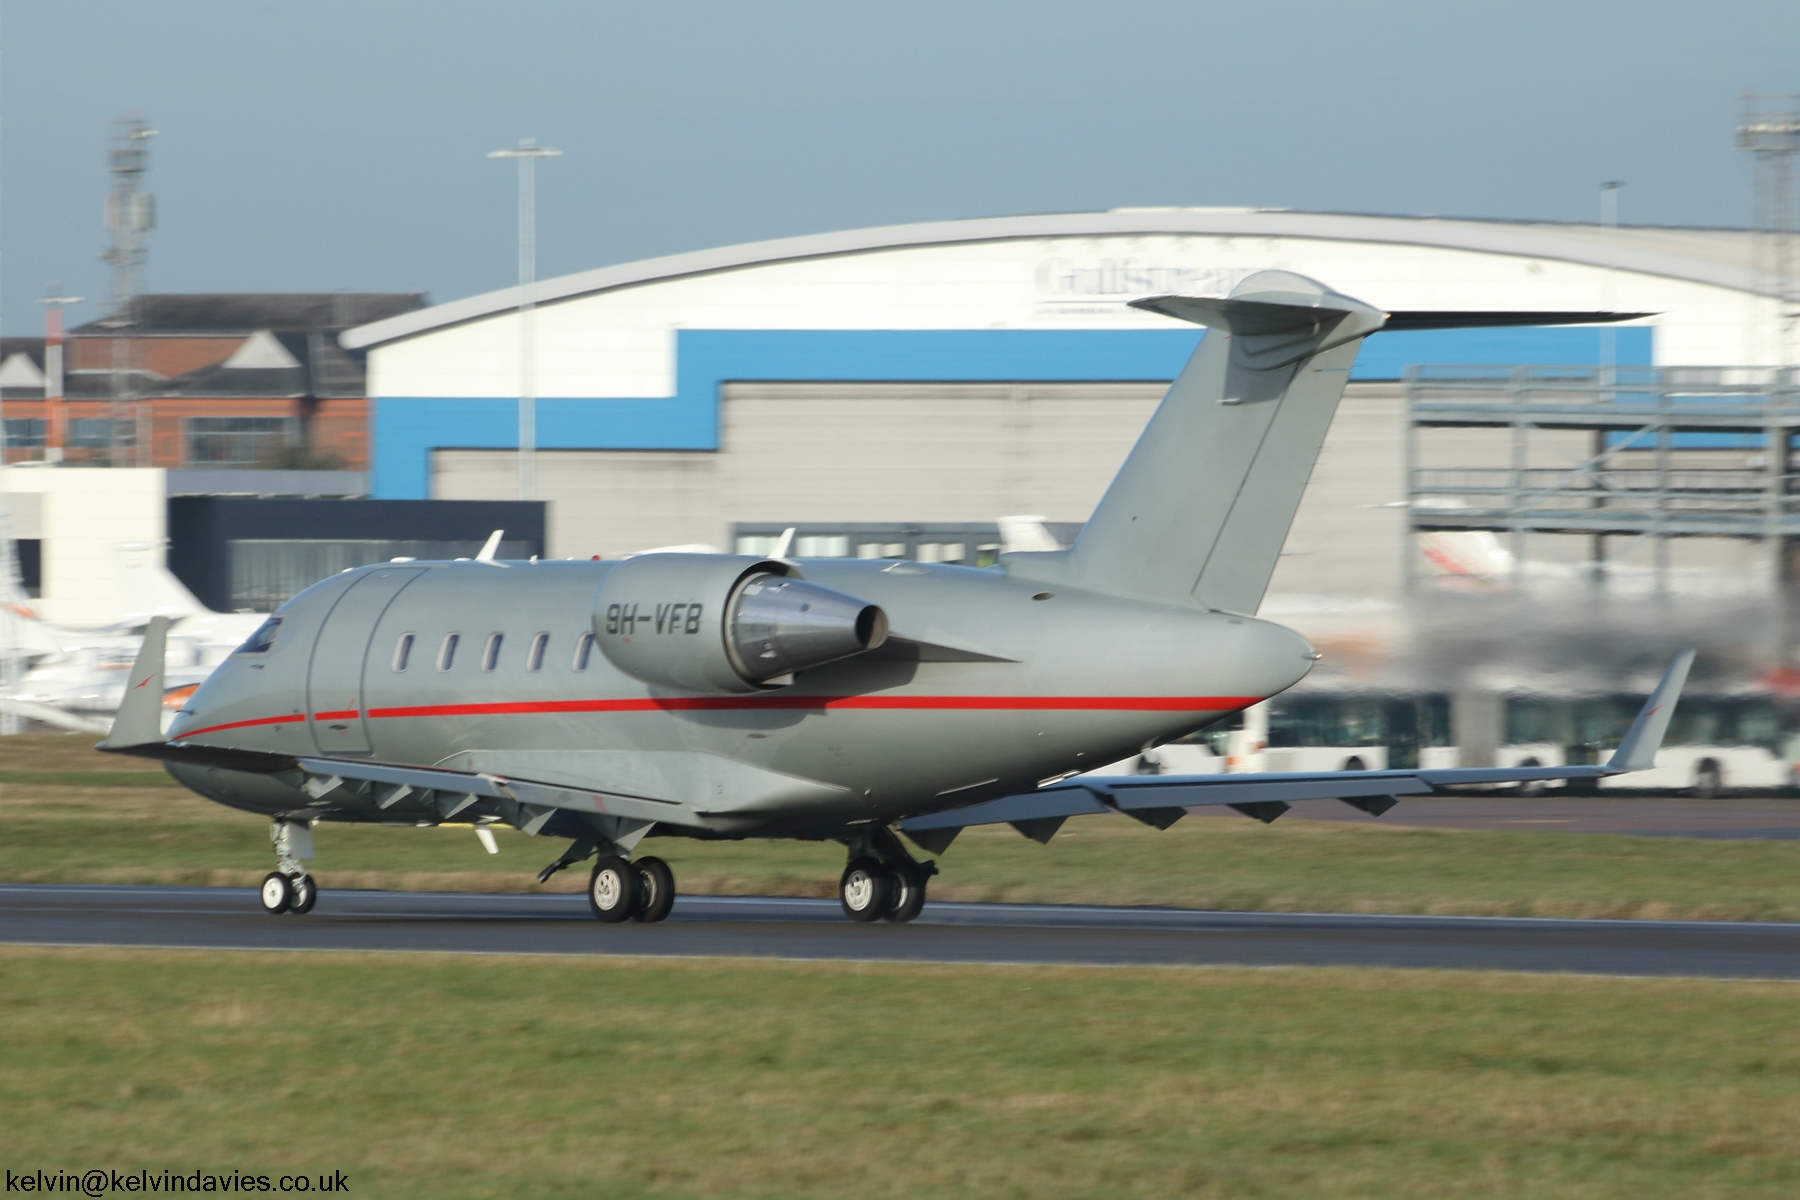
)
(1644, 475)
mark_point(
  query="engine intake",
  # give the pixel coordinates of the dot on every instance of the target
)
(725, 623)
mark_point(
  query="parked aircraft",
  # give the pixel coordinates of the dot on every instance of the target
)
(736, 696)
(75, 678)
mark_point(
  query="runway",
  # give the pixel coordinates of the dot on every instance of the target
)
(229, 918)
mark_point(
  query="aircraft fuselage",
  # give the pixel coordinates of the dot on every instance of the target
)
(991, 684)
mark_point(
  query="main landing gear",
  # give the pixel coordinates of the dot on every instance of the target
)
(882, 882)
(618, 888)
(288, 894)
(631, 891)
(288, 888)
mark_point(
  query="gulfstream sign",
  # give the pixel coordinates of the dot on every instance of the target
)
(1068, 279)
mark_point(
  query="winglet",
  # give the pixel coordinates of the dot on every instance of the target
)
(139, 722)
(784, 545)
(491, 547)
(1637, 752)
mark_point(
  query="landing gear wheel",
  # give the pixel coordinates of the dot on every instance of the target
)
(613, 889)
(656, 890)
(306, 894)
(277, 893)
(906, 894)
(864, 889)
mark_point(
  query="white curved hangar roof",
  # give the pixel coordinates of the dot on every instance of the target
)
(1709, 258)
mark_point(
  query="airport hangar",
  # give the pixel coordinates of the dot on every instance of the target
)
(892, 391)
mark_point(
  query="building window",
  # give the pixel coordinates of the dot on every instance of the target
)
(941, 552)
(584, 648)
(490, 655)
(402, 651)
(235, 441)
(31, 565)
(535, 659)
(447, 652)
(97, 433)
(822, 547)
(24, 433)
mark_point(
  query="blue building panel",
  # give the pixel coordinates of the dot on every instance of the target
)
(1387, 355)
(406, 429)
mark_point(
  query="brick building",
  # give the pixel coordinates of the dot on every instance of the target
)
(203, 380)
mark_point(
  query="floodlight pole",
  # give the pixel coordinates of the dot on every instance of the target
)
(527, 152)
(1609, 219)
(1609, 352)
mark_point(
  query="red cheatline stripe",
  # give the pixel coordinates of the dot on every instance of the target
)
(240, 725)
(349, 714)
(716, 703)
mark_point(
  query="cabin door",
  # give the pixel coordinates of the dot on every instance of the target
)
(334, 681)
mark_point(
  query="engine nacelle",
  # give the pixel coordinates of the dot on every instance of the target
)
(725, 622)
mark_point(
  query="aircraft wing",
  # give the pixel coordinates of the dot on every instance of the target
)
(1161, 800)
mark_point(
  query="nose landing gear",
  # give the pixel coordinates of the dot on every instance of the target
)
(288, 888)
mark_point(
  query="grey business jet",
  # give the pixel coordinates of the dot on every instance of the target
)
(731, 696)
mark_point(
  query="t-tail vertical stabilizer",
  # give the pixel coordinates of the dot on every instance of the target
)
(1199, 511)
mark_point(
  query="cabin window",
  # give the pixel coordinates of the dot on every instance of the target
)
(447, 652)
(534, 659)
(584, 649)
(490, 654)
(402, 651)
(264, 637)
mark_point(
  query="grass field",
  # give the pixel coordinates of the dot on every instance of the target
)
(471, 1077)
(72, 815)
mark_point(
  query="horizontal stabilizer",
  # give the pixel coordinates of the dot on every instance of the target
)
(1254, 317)
(1429, 319)
(1276, 327)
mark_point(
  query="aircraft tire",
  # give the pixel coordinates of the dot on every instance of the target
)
(906, 894)
(277, 894)
(306, 894)
(613, 889)
(863, 890)
(656, 890)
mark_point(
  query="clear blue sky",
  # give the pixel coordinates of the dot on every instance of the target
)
(327, 144)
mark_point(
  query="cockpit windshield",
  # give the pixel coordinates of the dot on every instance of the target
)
(264, 637)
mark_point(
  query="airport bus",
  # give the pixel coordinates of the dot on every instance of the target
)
(1715, 743)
